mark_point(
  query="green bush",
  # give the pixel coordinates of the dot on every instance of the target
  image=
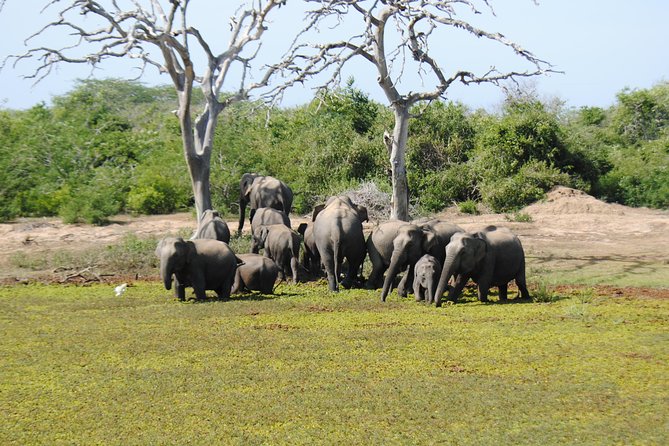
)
(528, 185)
(468, 207)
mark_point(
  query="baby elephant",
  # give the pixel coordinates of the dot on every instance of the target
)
(426, 278)
(257, 273)
(282, 245)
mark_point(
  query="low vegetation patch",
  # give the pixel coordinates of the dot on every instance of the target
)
(304, 366)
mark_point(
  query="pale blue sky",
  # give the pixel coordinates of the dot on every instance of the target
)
(602, 46)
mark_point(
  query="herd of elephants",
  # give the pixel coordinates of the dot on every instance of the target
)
(428, 251)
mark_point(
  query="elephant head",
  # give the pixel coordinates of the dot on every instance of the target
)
(245, 185)
(173, 254)
(464, 255)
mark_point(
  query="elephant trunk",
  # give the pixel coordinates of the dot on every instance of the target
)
(393, 269)
(446, 273)
(166, 270)
(242, 214)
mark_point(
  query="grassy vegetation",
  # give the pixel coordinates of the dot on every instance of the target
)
(80, 365)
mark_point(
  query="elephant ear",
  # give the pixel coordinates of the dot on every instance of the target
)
(245, 184)
(264, 232)
(429, 239)
(479, 246)
(362, 212)
(317, 210)
(159, 248)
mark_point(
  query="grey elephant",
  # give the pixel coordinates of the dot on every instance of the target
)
(259, 191)
(338, 235)
(491, 257)
(203, 264)
(282, 245)
(212, 226)
(265, 217)
(311, 259)
(257, 273)
(396, 246)
(426, 278)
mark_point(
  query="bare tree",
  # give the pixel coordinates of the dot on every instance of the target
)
(394, 36)
(112, 29)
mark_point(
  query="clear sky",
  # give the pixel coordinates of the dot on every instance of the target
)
(602, 46)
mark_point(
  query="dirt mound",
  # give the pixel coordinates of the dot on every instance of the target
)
(565, 200)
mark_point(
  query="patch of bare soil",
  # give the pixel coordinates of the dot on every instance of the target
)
(568, 231)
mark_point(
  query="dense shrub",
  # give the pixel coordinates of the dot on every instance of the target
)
(114, 146)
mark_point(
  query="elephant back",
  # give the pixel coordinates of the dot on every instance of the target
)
(507, 249)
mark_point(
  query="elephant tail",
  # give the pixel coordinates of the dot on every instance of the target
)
(335, 254)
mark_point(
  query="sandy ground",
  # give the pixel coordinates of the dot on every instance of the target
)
(569, 231)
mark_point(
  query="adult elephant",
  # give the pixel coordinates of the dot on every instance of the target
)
(203, 264)
(395, 246)
(265, 217)
(212, 226)
(258, 191)
(338, 235)
(491, 257)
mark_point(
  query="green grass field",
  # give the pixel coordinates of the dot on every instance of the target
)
(82, 366)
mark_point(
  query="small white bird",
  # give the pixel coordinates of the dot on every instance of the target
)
(120, 289)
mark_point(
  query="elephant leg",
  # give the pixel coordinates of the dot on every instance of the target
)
(179, 289)
(328, 263)
(458, 286)
(225, 290)
(199, 290)
(522, 285)
(293, 267)
(503, 290)
(373, 282)
(483, 288)
(352, 273)
(238, 284)
(406, 283)
(417, 291)
(429, 293)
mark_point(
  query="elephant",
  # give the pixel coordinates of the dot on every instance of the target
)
(426, 278)
(338, 235)
(203, 264)
(491, 257)
(264, 217)
(395, 245)
(257, 273)
(212, 226)
(260, 191)
(311, 259)
(282, 245)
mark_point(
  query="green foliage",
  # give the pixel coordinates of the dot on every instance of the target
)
(468, 207)
(82, 366)
(642, 115)
(114, 146)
